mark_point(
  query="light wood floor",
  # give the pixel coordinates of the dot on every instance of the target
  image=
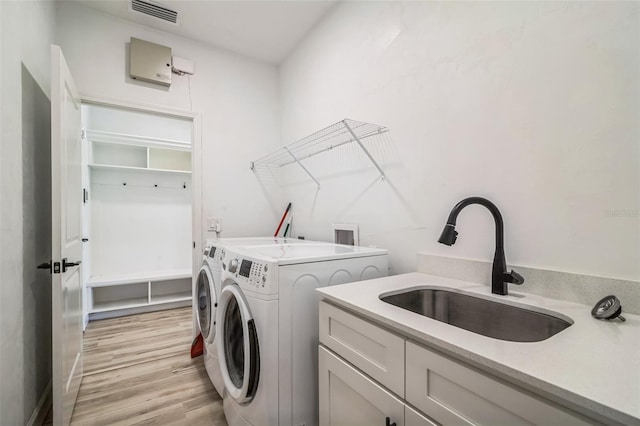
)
(137, 370)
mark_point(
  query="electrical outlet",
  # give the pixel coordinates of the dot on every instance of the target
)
(214, 224)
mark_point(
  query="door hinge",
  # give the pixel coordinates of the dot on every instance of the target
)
(83, 134)
(56, 267)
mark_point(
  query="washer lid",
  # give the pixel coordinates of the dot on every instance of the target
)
(288, 254)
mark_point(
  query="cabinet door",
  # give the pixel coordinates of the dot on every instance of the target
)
(375, 351)
(456, 394)
(414, 418)
(348, 397)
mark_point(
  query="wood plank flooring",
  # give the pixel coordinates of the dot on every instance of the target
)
(138, 371)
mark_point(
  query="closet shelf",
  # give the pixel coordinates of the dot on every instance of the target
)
(137, 169)
(338, 134)
(144, 141)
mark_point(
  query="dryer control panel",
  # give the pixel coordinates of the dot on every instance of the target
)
(216, 253)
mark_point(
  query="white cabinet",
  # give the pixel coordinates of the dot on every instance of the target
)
(348, 397)
(358, 356)
(456, 394)
(377, 352)
(414, 418)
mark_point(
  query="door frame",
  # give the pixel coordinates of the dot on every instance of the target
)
(196, 168)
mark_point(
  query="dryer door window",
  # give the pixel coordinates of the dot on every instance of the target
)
(238, 351)
(203, 289)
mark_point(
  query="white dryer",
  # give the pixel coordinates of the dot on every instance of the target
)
(267, 326)
(207, 290)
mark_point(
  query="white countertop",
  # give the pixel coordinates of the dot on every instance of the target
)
(593, 365)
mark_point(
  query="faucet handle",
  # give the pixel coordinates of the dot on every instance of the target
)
(513, 277)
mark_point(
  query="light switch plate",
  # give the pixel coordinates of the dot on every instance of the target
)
(214, 224)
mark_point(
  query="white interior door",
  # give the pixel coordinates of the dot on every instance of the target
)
(66, 199)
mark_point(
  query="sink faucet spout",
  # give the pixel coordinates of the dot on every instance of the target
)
(499, 275)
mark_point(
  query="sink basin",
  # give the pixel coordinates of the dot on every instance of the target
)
(482, 316)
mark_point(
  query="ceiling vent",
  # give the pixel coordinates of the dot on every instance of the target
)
(155, 10)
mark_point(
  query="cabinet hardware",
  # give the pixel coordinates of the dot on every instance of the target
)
(388, 422)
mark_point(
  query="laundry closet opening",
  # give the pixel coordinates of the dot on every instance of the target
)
(137, 210)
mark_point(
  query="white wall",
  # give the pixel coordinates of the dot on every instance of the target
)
(27, 30)
(237, 97)
(533, 105)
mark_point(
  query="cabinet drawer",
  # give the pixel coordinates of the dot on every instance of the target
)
(455, 394)
(375, 351)
(348, 397)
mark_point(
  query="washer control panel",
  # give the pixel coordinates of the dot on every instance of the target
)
(252, 273)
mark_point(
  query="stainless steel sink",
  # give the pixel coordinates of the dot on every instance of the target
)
(492, 319)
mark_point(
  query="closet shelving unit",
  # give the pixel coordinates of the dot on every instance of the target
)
(119, 152)
(153, 160)
(336, 135)
(136, 290)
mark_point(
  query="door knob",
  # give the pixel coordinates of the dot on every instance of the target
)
(53, 267)
(66, 264)
(45, 265)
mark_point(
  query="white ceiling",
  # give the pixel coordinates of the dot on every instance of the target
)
(263, 29)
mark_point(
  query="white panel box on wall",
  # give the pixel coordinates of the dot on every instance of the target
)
(150, 62)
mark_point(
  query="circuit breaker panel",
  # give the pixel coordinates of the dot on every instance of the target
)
(150, 62)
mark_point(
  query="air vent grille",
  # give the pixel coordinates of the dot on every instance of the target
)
(155, 10)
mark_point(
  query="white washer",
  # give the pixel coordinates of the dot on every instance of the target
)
(207, 290)
(267, 323)
(206, 293)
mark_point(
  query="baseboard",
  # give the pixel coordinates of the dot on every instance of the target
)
(42, 408)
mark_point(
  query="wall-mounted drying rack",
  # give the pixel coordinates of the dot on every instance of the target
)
(341, 133)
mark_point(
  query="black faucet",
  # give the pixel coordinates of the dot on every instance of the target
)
(499, 275)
